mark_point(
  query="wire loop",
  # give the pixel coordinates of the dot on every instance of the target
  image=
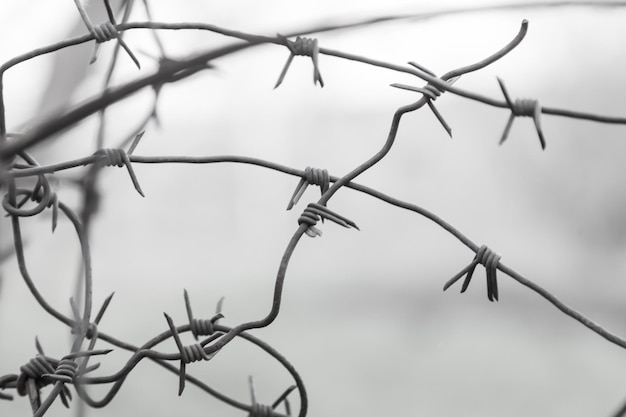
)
(312, 176)
(489, 259)
(314, 212)
(42, 193)
(302, 46)
(522, 108)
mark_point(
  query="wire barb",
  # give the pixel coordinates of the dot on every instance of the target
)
(104, 33)
(312, 176)
(30, 379)
(263, 410)
(202, 327)
(522, 108)
(430, 93)
(302, 46)
(188, 354)
(118, 157)
(314, 212)
(489, 259)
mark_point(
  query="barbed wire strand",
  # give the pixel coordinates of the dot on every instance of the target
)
(81, 325)
(518, 277)
(374, 193)
(187, 67)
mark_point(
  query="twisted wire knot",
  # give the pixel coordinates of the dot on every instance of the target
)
(522, 108)
(312, 176)
(35, 369)
(118, 157)
(193, 353)
(201, 327)
(316, 176)
(188, 354)
(105, 32)
(430, 93)
(489, 259)
(111, 157)
(314, 212)
(43, 370)
(261, 410)
(302, 46)
(525, 107)
(65, 371)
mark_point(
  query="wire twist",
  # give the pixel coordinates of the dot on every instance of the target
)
(193, 353)
(105, 32)
(489, 259)
(118, 157)
(430, 93)
(65, 371)
(302, 46)
(312, 176)
(522, 108)
(202, 327)
(35, 368)
(263, 410)
(188, 354)
(314, 212)
(35, 374)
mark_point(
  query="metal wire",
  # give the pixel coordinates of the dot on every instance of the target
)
(21, 201)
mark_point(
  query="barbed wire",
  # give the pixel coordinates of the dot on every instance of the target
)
(26, 201)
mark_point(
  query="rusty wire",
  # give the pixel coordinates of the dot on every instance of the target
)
(16, 162)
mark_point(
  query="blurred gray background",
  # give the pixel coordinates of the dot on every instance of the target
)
(364, 318)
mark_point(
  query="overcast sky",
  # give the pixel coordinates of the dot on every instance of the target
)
(365, 320)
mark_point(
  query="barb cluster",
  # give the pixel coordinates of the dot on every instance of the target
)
(27, 199)
(489, 259)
